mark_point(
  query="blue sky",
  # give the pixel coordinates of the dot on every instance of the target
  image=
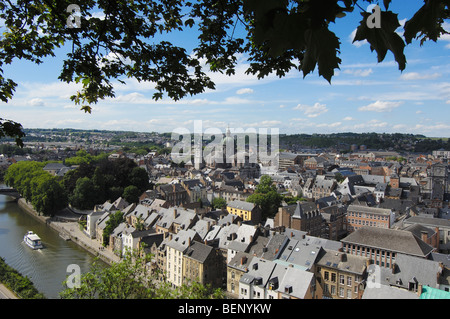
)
(364, 96)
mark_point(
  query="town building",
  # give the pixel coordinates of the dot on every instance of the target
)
(245, 210)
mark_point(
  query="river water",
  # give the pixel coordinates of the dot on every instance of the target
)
(47, 267)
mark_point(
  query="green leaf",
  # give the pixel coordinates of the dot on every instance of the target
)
(86, 109)
(322, 47)
(383, 39)
(427, 22)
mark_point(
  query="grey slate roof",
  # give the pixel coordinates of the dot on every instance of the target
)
(342, 261)
(241, 261)
(409, 268)
(198, 251)
(258, 268)
(238, 204)
(399, 241)
(388, 292)
(181, 240)
(298, 280)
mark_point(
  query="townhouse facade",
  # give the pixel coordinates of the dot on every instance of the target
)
(361, 216)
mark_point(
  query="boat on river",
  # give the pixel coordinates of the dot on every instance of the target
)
(33, 240)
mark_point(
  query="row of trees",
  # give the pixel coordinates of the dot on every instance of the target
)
(37, 186)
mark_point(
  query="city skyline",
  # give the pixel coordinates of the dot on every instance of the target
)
(364, 96)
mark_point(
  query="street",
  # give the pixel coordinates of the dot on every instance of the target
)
(5, 293)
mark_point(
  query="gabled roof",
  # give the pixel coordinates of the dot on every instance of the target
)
(295, 282)
(182, 239)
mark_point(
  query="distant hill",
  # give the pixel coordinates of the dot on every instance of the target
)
(345, 141)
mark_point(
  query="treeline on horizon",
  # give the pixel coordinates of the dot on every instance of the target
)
(416, 143)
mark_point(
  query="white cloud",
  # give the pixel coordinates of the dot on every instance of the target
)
(329, 125)
(312, 111)
(36, 102)
(380, 106)
(348, 118)
(417, 76)
(244, 91)
(359, 72)
(372, 124)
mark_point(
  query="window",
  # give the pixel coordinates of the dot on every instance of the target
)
(349, 280)
(333, 277)
(349, 294)
(333, 290)
(341, 292)
(341, 279)
(326, 275)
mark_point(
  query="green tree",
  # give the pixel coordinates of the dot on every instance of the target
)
(131, 279)
(266, 197)
(131, 194)
(114, 220)
(84, 195)
(218, 203)
(276, 36)
(37, 186)
(49, 196)
(139, 178)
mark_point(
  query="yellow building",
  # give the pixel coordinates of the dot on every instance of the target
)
(246, 211)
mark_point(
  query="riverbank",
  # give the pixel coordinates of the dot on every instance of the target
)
(72, 231)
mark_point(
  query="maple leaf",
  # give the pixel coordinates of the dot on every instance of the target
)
(383, 39)
(322, 47)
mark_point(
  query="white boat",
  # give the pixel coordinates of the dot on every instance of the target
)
(33, 240)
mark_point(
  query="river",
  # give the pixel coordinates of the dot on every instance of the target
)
(46, 268)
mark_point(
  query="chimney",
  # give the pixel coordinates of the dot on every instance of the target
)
(419, 290)
(424, 236)
(243, 260)
(174, 213)
(189, 241)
